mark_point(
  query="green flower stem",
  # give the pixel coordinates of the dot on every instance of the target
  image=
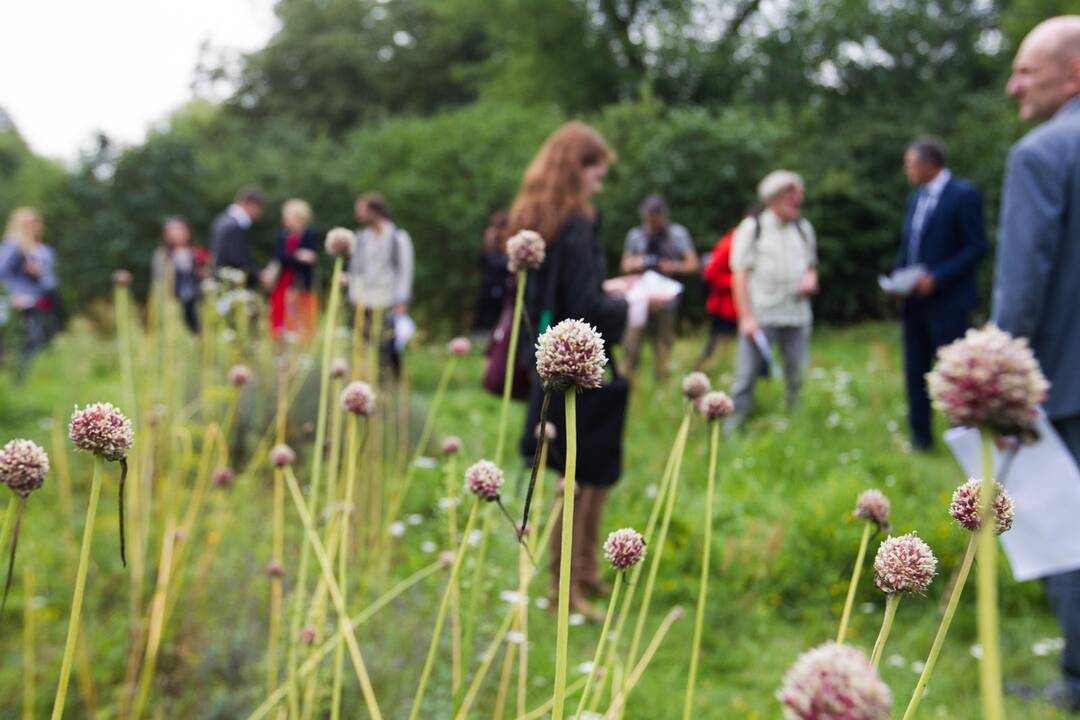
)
(429, 662)
(545, 708)
(943, 628)
(612, 604)
(29, 659)
(646, 657)
(9, 517)
(511, 360)
(335, 595)
(562, 631)
(986, 599)
(475, 587)
(892, 600)
(80, 590)
(157, 620)
(455, 598)
(485, 665)
(316, 472)
(342, 558)
(703, 587)
(845, 618)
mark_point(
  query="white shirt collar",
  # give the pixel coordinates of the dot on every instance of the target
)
(237, 213)
(935, 187)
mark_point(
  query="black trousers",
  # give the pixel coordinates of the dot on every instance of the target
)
(924, 332)
(1063, 590)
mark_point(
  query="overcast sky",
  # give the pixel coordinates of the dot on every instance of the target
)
(71, 67)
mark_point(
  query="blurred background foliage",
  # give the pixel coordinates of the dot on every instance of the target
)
(440, 103)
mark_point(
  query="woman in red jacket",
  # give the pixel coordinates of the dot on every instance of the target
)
(723, 319)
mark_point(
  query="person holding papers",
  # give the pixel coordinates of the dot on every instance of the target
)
(1036, 291)
(774, 265)
(942, 240)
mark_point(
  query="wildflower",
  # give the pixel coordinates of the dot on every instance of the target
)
(695, 385)
(624, 548)
(966, 506)
(121, 277)
(23, 466)
(358, 398)
(904, 564)
(223, 477)
(239, 375)
(339, 368)
(103, 430)
(571, 354)
(274, 569)
(484, 479)
(307, 635)
(988, 379)
(339, 242)
(873, 506)
(451, 444)
(834, 682)
(525, 251)
(282, 455)
(714, 405)
(459, 346)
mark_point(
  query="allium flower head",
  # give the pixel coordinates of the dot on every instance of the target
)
(308, 634)
(525, 251)
(550, 431)
(459, 346)
(715, 405)
(624, 548)
(695, 385)
(451, 444)
(873, 506)
(339, 242)
(570, 354)
(339, 368)
(103, 430)
(904, 564)
(967, 505)
(239, 375)
(282, 455)
(988, 379)
(274, 569)
(23, 466)
(834, 682)
(358, 398)
(121, 277)
(223, 477)
(484, 479)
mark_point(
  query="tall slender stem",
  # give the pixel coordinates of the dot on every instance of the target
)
(9, 517)
(612, 604)
(646, 657)
(892, 600)
(343, 555)
(845, 618)
(485, 665)
(703, 586)
(943, 628)
(80, 590)
(29, 660)
(511, 361)
(563, 626)
(986, 599)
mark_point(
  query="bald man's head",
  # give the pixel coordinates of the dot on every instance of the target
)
(1046, 71)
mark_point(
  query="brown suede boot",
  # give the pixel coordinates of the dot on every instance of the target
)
(590, 580)
(578, 602)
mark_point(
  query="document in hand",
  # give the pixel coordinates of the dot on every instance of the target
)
(1044, 482)
(902, 281)
(404, 329)
(761, 342)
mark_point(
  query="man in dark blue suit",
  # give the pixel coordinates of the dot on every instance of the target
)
(943, 233)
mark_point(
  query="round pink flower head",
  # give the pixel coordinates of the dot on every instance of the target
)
(834, 682)
(967, 504)
(484, 479)
(223, 477)
(988, 379)
(282, 455)
(339, 242)
(339, 368)
(715, 405)
(23, 466)
(451, 444)
(459, 346)
(695, 385)
(904, 564)
(239, 375)
(358, 398)
(624, 548)
(103, 430)
(274, 569)
(570, 354)
(122, 277)
(308, 634)
(525, 251)
(873, 506)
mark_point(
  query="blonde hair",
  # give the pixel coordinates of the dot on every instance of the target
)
(16, 226)
(298, 207)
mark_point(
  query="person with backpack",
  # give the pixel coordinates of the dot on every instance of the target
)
(720, 303)
(381, 271)
(774, 273)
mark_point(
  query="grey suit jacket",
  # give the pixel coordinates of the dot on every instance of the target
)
(1037, 287)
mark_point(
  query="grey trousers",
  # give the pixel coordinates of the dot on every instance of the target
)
(1063, 590)
(793, 342)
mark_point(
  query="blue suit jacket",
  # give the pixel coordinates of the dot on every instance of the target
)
(1037, 287)
(953, 242)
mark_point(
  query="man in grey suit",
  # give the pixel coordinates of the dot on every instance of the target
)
(1037, 288)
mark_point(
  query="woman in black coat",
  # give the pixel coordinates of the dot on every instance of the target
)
(293, 304)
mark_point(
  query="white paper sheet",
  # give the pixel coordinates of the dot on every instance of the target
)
(1044, 482)
(902, 281)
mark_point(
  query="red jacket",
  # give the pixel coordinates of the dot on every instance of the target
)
(718, 276)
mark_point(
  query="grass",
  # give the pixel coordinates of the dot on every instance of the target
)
(783, 544)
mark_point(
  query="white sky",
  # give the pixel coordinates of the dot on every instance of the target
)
(71, 67)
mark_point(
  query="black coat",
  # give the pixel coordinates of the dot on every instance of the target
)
(303, 273)
(229, 245)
